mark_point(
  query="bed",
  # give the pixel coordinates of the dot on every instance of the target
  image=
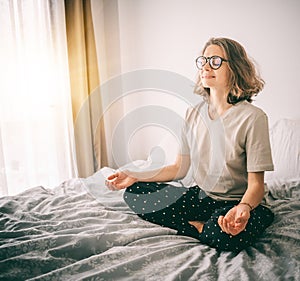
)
(80, 230)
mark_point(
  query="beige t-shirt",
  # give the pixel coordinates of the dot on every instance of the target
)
(224, 150)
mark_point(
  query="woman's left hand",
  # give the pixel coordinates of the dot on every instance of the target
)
(235, 220)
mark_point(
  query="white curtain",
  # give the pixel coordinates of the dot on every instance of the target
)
(36, 127)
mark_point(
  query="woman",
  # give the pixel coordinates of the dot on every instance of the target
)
(225, 142)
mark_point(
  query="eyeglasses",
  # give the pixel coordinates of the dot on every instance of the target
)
(215, 62)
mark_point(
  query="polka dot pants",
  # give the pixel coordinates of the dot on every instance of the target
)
(173, 207)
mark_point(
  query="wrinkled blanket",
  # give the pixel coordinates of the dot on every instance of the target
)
(82, 231)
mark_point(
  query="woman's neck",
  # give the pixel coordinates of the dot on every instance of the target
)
(218, 104)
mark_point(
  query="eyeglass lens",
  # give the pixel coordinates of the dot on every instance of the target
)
(215, 62)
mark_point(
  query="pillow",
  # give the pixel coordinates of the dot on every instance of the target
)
(285, 145)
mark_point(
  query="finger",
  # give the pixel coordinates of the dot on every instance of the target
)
(113, 184)
(221, 223)
(226, 225)
(233, 232)
(229, 217)
(119, 186)
(236, 231)
(109, 185)
(112, 177)
(239, 227)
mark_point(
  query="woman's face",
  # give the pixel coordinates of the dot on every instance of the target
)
(215, 78)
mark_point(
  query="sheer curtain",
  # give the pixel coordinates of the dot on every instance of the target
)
(36, 126)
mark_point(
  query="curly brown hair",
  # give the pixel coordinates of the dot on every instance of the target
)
(244, 79)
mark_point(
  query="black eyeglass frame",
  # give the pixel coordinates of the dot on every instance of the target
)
(209, 60)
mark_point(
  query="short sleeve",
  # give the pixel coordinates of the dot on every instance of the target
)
(258, 149)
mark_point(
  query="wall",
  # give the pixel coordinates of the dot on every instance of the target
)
(169, 35)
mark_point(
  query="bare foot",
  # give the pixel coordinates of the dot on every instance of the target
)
(198, 224)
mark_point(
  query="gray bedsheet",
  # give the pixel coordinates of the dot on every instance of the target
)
(82, 231)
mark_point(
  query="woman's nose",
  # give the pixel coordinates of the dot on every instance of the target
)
(206, 66)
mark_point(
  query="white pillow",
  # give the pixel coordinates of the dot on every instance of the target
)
(285, 144)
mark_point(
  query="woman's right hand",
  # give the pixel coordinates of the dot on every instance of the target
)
(119, 180)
